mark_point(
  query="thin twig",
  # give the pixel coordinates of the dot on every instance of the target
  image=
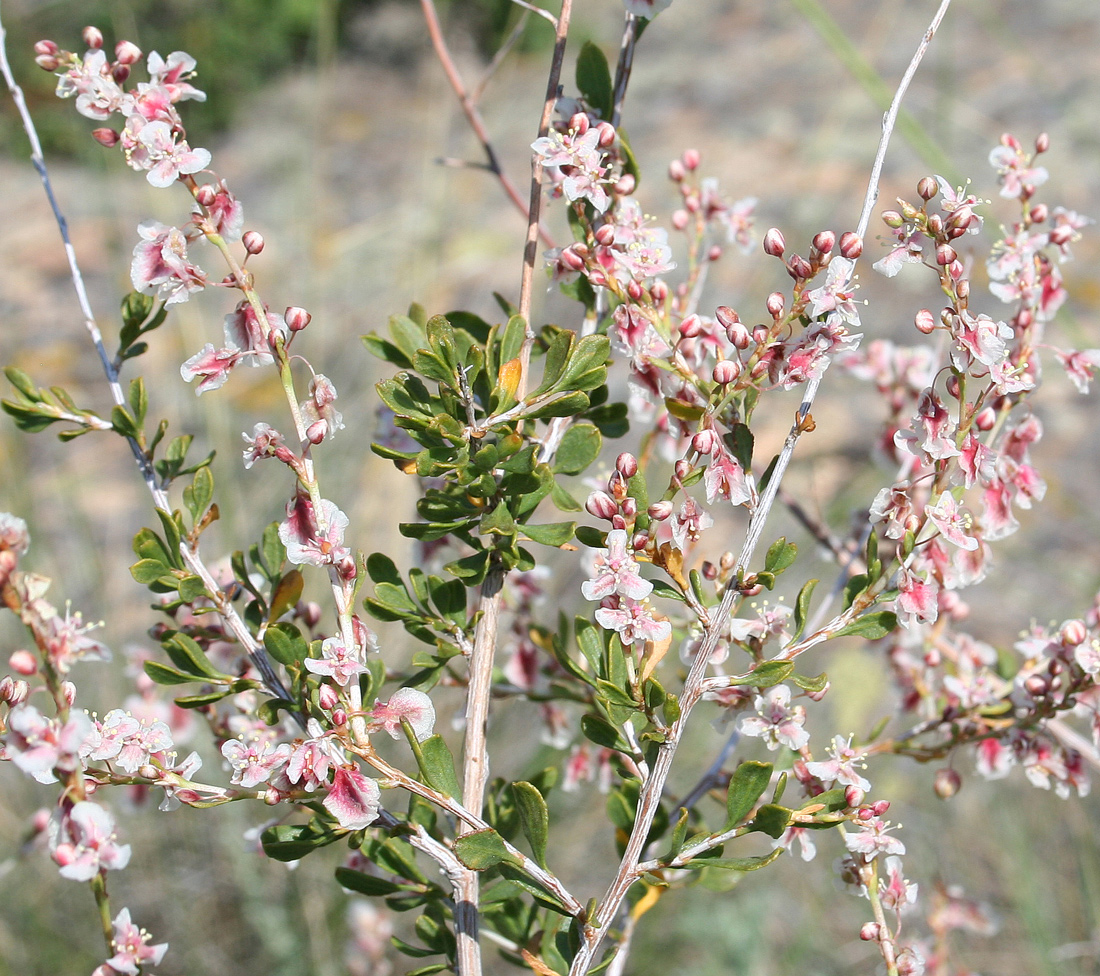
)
(623, 68)
(190, 554)
(498, 59)
(650, 797)
(469, 108)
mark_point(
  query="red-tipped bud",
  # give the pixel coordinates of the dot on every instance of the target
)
(691, 201)
(605, 236)
(639, 541)
(1042, 142)
(691, 159)
(892, 219)
(120, 72)
(579, 123)
(962, 288)
(14, 691)
(691, 327)
(775, 304)
(676, 171)
(953, 388)
(626, 185)
(935, 225)
(658, 291)
(726, 371)
(68, 692)
(824, 242)
(601, 505)
(607, 135)
(738, 334)
(571, 259)
(927, 188)
(955, 270)
(347, 569)
(879, 807)
(23, 662)
(206, 194)
(726, 316)
(706, 441)
(315, 432)
(960, 220)
(714, 252)
(1039, 213)
(853, 796)
(945, 255)
(339, 717)
(816, 696)
(1073, 633)
(93, 37)
(635, 289)
(48, 62)
(659, 511)
(46, 47)
(106, 137)
(616, 486)
(310, 612)
(626, 464)
(946, 783)
(296, 318)
(127, 52)
(629, 508)
(1036, 685)
(799, 268)
(864, 813)
(253, 241)
(681, 469)
(925, 322)
(327, 697)
(986, 418)
(760, 334)
(870, 932)
(774, 243)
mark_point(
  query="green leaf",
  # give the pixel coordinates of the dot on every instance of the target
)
(146, 571)
(747, 785)
(172, 537)
(587, 367)
(599, 730)
(594, 79)
(555, 534)
(741, 443)
(781, 555)
(579, 447)
(765, 675)
(123, 423)
(382, 569)
(285, 643)
(188, 656)
(498, 521)
(871, 626)
(813, 685)
(802, 607)
(368, 884)
(287, 593)
(772, 819)
(198, 495)
(735, 863)
(856, 585)
(437, 766)
(534, 818)
(201, 701)
(164, 675)
(291, 842)
(191, 588)
(483, 849)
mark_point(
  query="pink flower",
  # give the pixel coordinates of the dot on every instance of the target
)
(160, 266)
(981, 337)
(616, 572)
(311, 759)
(804, 836)
(917, 599)
(225, 213)
(873, 838)
(843, 766)
(895, 892)
(14, 534)
(130, 943)
(245, 332)
(409, 704)
(777, 722)
(85, 843)
(306, 542)
(39, 745)
(98, 95)
(1080, 365)
(633, 621)
(837, 295)
(726, 478)
(167, 157)
(253, 760)
(577, 156)
(322, 419)
(1013, 168)
(172, 73)
(264, 442)
(67, 641)
(353, 799)
(337, 661)
(689, 524)
(952, 521)
(212, 365)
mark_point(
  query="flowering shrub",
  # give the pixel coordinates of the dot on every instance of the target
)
(492, 422)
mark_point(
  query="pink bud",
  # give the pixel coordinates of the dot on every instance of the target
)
(709, 571)
(626, 185)
(618, 522)
(127, 52)
(1036, 685)
(64, 854)
(691, 200)
(879, 807)
(626, 464)
(327, 697)
(946, 783)
(106, 137)
(571, 259)
(726, 371)
(892, 219)
(68, 691)
(986, 418)
(680, 219)
(824, 242)
(23, 662)
(601, 505)
(816, 696)
(775, 304)
(714, 252)
(616, 486)
(658, 291)
(853, 796)
(1042, 142)
(945, 254)
(40, 820)
(706, 442)
(953, 387)
(1039, 214)
(296, 318)
(206, 194)
(676, 171)
(659, 511)
(605, 236)
(607, 135)
(339, 717)
(635, 290)
(925, 322)
(579, 123)
(691, 327)
(681, 469)
(48, 62)
(46, 47)
(253, 242)
(864, 813)
(851, 245)
(927, 188)
(629, 508)
(1074, 633)
(961, 219)
(774, 243)
(691, 159)
(347, 569)
(315, 432)
(1059, 235)
(799, 268)
(726, 316)
(962, 288)
(639, 541)
(869, 932)
(935, 225)
(93, 37)
(14, 691)
(120, 72)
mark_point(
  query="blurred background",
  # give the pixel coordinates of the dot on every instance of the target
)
(328, 119)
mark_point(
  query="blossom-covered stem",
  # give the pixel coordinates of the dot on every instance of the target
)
(885, 944)
(103, 904)
(469, 108)
(530, 248)
(623, 68)
(39, 162)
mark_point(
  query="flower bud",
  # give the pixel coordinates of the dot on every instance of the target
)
(714, 252)
(127, 52)
(48, 62)
(68, 692)
(23, 662)
(629, 508)
(869, 932)
(618, 522)
(601, 505)
(706, 442)
(774, 243)
(953, 387)
(676, 171)
(962, 288)
(46, 47)
(327, 697)
(607, 135)
(945, 255)
(635, 290)
(927, 188)
(253, 242)
(691, 159)
(879, 807)
(120, 72)
(1073, 633)
(626, 185)
(14, 691)
(1042, 142)
(816, 696)
(908, 211)
(1039, 213)
(339, 717)
(864, 813)
(579, 123)
(986, 418)
(760, 335)
(296, 318)
(659, 511)
(709, 571)
(206, 194)
(106, 137)
(946, 783)
(775, 304)
(851, 245)
(691, 200)
(571, 259)
(892, 219)
(639, 541)
(925, 322)
(799, 268)
(347, 569)
(681, 469)
(1036, 685)
(935, 225)
(315, 432)
(853, 796)
(726, 316)
(824, 242)
(605, 236)
(93, 37)
(960, 221)
(658, 291)
(726, 371)
(616, 486)
(691, 327)
(626, 464)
